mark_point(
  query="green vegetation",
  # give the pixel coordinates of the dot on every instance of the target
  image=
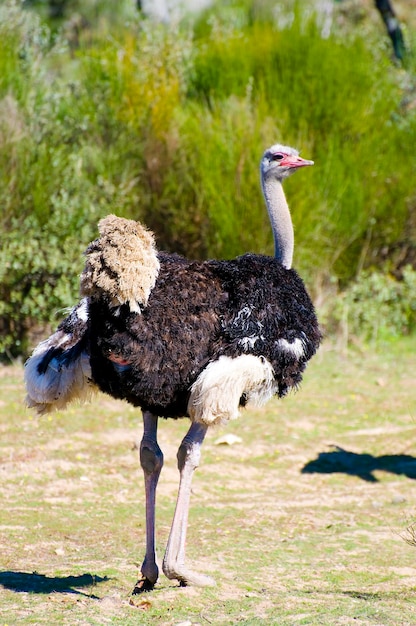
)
(167, 125)
(377, 306)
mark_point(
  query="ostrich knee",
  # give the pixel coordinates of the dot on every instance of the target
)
(151, 458)
(189, 454)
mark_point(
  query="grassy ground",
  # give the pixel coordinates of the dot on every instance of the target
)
(303, 522)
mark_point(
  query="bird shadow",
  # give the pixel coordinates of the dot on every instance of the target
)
(363, 466)
(39, 583)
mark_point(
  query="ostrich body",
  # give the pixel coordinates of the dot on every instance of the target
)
(181, 338)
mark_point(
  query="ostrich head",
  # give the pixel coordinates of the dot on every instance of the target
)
(280, 161)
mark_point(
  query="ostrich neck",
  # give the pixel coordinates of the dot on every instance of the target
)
(280, 220)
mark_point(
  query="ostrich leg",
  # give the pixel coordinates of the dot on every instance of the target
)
(151, 460)
(188, 456)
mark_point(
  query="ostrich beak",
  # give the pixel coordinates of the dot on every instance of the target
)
(294, 162)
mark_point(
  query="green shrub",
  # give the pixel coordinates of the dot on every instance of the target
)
(72, 151)
(377, 306)
(337, 100)
(167, 125)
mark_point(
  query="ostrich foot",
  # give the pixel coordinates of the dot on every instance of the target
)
(149, 573)
(187, 577)
(142, 586)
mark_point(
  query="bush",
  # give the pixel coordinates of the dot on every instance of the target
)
(336, 99)
(167, 125)
(377, 306)
(72, 151)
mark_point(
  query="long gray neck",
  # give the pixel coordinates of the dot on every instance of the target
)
(280, 220)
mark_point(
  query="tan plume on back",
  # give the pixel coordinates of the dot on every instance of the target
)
(122, 263)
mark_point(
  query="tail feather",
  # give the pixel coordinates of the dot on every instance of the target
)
(122, 264)
(59, 370)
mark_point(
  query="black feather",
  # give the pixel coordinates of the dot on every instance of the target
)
(197, 312)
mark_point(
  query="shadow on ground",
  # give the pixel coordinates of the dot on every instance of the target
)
(361, 465)
(39, 583)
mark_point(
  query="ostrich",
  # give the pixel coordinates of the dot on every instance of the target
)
(181, 338)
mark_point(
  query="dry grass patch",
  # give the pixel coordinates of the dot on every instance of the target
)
(302, 522)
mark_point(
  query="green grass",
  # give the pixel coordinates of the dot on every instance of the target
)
(285, 546)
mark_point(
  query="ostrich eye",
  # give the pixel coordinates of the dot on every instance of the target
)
(277, 157)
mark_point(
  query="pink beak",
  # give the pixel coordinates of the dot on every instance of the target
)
(294, 162)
